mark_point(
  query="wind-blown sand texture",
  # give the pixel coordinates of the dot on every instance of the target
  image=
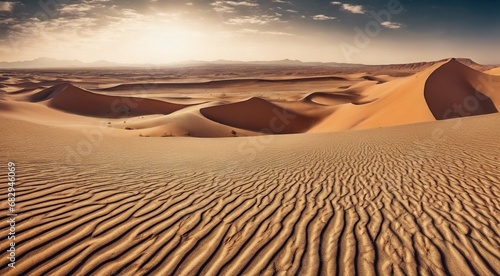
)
(421, 197)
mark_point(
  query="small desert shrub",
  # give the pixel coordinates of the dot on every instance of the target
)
(165, 134)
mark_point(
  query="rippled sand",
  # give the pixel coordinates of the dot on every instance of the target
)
(399, 200)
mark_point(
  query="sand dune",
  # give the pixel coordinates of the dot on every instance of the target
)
(392, 103)
(259, 115)
(72, 99)
(218, 83)
(35, 84)
(451, 91)
(431, 94)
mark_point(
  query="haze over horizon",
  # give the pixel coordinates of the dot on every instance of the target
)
(156, 32)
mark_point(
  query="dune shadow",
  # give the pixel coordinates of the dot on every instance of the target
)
(449, 94)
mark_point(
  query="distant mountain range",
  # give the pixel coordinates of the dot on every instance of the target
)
(44, 62)
(57, 63)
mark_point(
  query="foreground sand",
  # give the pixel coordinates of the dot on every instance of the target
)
(422, 199)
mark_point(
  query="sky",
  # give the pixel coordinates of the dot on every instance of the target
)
(159, 31)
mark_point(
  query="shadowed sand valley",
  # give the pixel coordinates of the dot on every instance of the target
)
(376, 170)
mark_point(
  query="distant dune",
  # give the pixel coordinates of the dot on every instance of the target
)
(69, 98)
(217, 83)
(442, 90)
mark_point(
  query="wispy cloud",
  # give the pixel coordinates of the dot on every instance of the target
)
(359, 9)
(255, 19)
(7, 21)
(230, 6)
(322, 17)
(391, 25)
(254, 31)
(80, 9)
(7, 6)
(242, 3)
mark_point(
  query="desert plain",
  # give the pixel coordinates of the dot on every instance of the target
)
(248, 169)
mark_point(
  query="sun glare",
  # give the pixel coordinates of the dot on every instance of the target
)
(163, 41)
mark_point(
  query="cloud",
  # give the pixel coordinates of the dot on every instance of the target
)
(254, 31)
(282, 2)
(85, 36)
(359, 9)
(220, 7)
(229, 6)
(354, 8)
(322, 17)
(391, 25)
(256, 19)
(79, 9)
(7, 21)
(243, 3)
(89, 8)
(7, 6)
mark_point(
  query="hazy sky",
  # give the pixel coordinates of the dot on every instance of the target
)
(157, 31)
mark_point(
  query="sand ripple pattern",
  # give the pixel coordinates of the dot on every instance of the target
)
(367, 208)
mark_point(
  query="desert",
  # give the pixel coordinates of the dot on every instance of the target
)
(321, 171)
(249, 137)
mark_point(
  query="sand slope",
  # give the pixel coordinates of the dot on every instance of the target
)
(455, 90)
(495, 71)
(372, 202)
